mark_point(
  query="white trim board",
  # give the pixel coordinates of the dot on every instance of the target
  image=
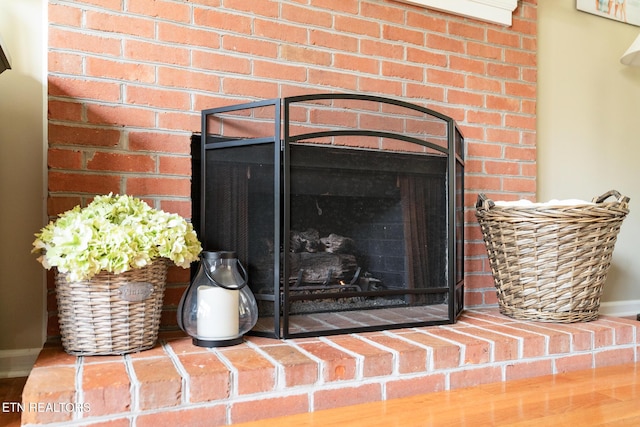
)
(620, 308)
(494, 11)
(17, 363)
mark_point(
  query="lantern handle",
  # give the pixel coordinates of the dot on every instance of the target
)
(243, 273)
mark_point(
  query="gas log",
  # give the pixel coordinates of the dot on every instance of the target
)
(316, 260)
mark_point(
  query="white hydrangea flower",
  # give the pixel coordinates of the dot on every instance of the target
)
(114, 234)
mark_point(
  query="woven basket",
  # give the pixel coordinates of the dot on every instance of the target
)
(111, 313)
(549, 263)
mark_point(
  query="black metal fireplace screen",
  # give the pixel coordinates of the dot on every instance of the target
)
(346, 210)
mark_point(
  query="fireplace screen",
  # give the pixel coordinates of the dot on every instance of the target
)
(346, 210)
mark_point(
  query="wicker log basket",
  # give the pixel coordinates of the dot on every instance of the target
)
(111, 313)
(549, 262)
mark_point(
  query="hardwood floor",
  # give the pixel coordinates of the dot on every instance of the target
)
(10, 392)
(596, 397)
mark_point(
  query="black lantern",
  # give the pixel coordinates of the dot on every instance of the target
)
(218, 308)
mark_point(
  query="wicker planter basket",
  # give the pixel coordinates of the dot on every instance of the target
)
(549, 262)
(111, 313)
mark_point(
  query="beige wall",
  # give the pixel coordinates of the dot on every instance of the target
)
(589, 124)
(22, 117)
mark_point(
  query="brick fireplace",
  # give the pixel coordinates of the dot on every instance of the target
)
(127, 82)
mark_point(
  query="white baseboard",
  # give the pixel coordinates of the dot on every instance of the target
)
(620, 308)
(18, 362)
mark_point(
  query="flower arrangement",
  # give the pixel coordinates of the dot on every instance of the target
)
(114, 234)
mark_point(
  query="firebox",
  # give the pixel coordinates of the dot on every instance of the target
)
(345, 209)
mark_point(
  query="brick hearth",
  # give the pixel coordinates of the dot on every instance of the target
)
(176, 383)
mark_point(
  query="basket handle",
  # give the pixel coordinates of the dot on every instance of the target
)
(619, 197)
(484, 202)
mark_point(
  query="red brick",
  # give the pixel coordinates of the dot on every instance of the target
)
(172, 11)
(250, 87)
(397, 33)
(118, 70)
(65, 62)
(161, 98)
(504, 38)
(428, 21)
(179, 121)
(301, 15)
(444, 77)
(467, 31)
(410, 358)
(424, 56)
(443, 354)
(172, 33)
(258, 409)
(376, 361)
(470, 377)
(122, 24)
(265, 48)
(573, 362)
(444, 43)
(485, 51)
(64, 110)
(106, 388)
(345, 396)
(120, 116)
(347, 6)
(465, 98)
(402, 71)
(255, 374)
(476, 350)
(298, 368)
(520, 57)
(624, 333)
(279, 31)
(537, 368)
(220, 19)
(399, 388)
(71, 135)
(84, 42)
(174, 166)
(357, 25)
(106, 91)
(503, 71)
(269, 9)
(83, 183)
(180, 207)
(48, 385)
(612, 357)
(204, 370)
(64, 159)
(332, 78)
(158, 186)
(381, 49)
(337, 365)
(64, 15)
(192, 417)
(276, 70)
(160, 383)
(156, 141)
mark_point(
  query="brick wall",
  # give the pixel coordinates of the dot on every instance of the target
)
(127, 80)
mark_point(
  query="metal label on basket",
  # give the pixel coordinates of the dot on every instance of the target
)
(136, 291)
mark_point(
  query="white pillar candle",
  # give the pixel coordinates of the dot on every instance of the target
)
(218, 315)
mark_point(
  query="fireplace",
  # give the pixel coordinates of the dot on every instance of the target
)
(345, 209)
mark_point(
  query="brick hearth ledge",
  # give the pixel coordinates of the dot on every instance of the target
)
(176, 383)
